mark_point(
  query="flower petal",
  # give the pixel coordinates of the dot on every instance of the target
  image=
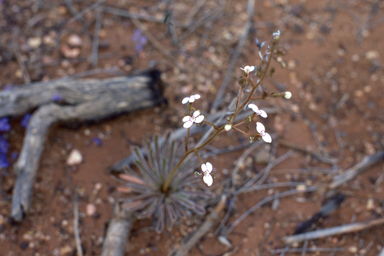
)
(267, 138)
(209, 166)
(199, 119)
(253, 107)
(197, 96)
(262, 113)
(260, 127)
(187, 124)
(208, 179)
(186, 118)
(196, 113)
(204, 168)
(185, 100)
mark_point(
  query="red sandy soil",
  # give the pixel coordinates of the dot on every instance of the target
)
(334, 56)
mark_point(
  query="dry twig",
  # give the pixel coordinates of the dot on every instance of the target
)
(201, 231)
(349, 228)
(355, 170)
(76, 225)
(96, 33)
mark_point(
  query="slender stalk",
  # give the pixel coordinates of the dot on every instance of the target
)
(214, 126)
(197, 153)
(237, 129)
(186, 142)
(239, 99)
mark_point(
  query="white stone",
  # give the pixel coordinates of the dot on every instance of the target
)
(74, 158)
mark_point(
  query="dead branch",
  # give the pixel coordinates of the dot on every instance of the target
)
(308, 151)
(119, 229)
(210, 221)
(76, 230)
(27, 98)
(81, 14)
(115, 96)
(95, 43)
(127, 14)
(355, 170)
(349, 228)
(277, 251)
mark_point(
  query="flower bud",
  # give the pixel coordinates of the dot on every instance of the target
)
(288, 95)
(228, 127)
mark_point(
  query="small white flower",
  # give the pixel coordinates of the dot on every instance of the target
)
(191, 98)
(227, 127)
(288, 95)
(258, 111)
(261, 129)
(195, 118)
(207, 169)
(248, 69)
(276, 33)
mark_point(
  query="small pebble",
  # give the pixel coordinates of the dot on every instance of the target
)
(90, 209)
(352, 249)
(74, 158)
(75, 40)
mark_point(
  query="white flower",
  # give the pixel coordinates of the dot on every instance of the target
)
(195, 118)
(248, 69)
(276, 33)
(191, 98)
(261, 129)
(207, 178)
(288, 95)
(227, 127)
(258, 111)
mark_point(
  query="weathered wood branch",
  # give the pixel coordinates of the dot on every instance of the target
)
(28, 97)
(119, 95)
(118, 232)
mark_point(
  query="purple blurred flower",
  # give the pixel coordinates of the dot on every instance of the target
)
(4, 124)
(57, 97)
(139, 39)
(25, 120)
(4, 163)
(97, 141)
(4, 145)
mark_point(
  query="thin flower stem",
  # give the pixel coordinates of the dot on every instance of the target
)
(239, 99)
(197, 153)
(186, 142)
(238, 124)
(243, 132)
(214, 126)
